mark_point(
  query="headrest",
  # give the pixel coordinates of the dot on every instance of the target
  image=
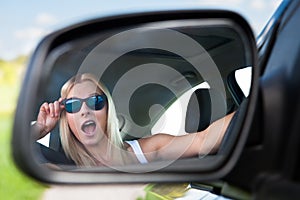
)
(205, 106)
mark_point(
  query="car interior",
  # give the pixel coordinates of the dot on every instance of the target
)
(145, 83)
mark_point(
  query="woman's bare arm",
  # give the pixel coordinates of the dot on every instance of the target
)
(164, 146)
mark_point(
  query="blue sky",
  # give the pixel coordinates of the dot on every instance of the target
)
(24, 23)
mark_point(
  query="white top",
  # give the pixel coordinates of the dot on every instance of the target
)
(137, 151)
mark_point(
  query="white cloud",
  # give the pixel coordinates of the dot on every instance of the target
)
(30, 33)
(46, 19)
(218, 3)
(275, 4)
(27, 47)
(25, 40)
(258, 4)
(41, 27)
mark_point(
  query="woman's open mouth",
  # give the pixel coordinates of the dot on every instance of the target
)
(89, 127)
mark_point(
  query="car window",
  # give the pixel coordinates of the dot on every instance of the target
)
(243, 79)
(173, 120)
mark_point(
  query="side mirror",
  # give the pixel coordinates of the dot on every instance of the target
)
(201, 62)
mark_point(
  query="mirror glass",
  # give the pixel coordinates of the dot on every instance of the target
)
(150, 93)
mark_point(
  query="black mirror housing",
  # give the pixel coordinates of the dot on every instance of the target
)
(62, 53)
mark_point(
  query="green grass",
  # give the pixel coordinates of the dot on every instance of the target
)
(13, 184)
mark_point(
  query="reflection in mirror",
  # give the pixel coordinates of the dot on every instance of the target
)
(243, 78)
(135, 95)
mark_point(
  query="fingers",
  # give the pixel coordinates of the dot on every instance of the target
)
(45, 108)
(60, 100)
(56, 109)
(51, 109)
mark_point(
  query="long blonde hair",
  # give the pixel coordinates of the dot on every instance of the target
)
(73, 148)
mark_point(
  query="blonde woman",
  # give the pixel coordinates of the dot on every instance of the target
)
(90, 135)
(88, 122)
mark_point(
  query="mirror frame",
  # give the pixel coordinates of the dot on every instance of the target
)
(24, 156)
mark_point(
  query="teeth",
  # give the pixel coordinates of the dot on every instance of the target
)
(88, 123)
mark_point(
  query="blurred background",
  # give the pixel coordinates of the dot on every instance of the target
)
(24, 23)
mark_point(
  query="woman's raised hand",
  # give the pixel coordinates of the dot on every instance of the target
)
(48, 116)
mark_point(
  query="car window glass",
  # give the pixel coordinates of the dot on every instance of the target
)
(243, 79)
(172, 121)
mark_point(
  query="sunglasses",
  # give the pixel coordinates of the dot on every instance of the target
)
(73, 105)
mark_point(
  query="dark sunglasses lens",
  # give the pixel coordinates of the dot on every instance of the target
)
(72, 105)
(96, 102)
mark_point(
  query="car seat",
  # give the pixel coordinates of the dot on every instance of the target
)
(205, 106)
